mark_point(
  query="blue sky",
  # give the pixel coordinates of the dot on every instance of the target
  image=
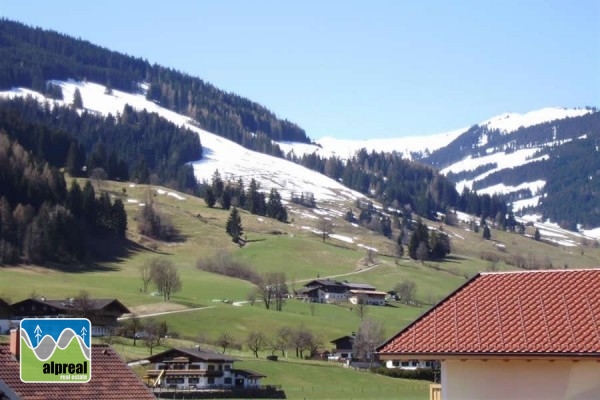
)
(357, 69)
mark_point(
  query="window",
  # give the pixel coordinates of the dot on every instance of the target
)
(211, 380)
(227, 381)
(227, 367)
(211, 367)
(193, 381)
(174, 381)
(395, 363)
(405, 364)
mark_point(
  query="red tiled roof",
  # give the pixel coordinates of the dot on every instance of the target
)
(539, 312)
(111, 379)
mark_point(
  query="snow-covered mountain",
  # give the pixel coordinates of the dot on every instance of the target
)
(232, 160)
(501, 143)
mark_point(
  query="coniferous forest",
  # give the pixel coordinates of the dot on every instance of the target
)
(43, 222)
(29, 57)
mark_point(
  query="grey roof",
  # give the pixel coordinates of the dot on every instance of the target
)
(196, 354)
(68, 304)
(364, 286)
(248, 374)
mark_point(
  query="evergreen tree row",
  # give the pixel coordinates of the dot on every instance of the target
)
(234, 194)
(42, 222)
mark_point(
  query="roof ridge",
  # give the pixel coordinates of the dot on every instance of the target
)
(539, 271)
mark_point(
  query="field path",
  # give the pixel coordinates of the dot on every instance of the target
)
(338, 275)
(165, 313)
(240, 303)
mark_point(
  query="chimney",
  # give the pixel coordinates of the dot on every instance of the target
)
(15, 343)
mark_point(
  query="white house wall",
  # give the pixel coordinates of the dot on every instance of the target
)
(520, 380)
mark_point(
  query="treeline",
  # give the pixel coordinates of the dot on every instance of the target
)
(42, 222)
(234, 194)
(401, 184)
(29, 57)
(133, 145)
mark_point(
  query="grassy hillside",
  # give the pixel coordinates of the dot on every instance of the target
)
(302, 255)
(275, 246)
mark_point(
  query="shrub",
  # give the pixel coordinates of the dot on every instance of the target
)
(423, 374)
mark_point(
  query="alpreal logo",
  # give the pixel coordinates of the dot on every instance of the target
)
(56, 350)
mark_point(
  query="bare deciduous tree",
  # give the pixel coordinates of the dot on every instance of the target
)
(362, 305)
(325, 228)
(165, 277)
(272, 289)
(406, 290)
(225, 340)
(282, 341)
(155, 332)
(133, 326)
(146, 275)
(251, 297)
(83, 305)
(304, 340)
(256, 341)
(370, 334)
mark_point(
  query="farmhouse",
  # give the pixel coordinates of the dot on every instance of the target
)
(102, 313)
(512, 335)
(343, 348)
(187, 368)
(111, 378)
(330, 291)
(370, 297)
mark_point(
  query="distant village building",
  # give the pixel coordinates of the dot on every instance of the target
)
(369, 297)
(511, 336)
(343, 348)
(192, 369)
(102, 313)
(332, 291)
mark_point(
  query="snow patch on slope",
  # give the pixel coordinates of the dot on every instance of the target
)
(346, 148)
(510, 122)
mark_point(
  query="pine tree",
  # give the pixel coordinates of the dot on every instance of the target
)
(217, 184)
(399, 245)
(108, 89)
(419, 236)
(77, 100)
(234, 226)
(487, 234)
(274, 207)
(209, 197)
(537, 235)
(119, 218)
